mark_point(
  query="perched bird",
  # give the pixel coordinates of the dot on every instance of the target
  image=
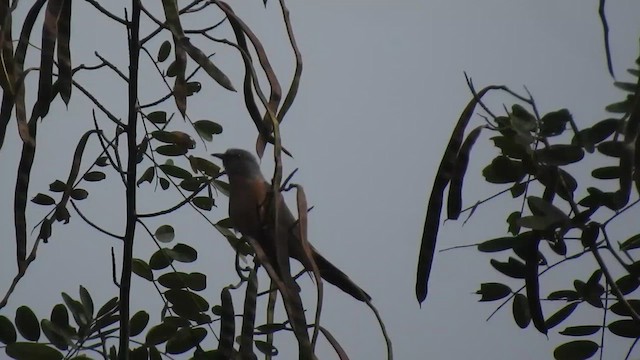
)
(248, 210)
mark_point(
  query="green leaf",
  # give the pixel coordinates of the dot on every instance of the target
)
(7, 331)
(203, 202)
(55, 335)
(513, 268)
(164, 51)
(207, 129)
(30, 351)
(520, 311)
(631, 243)
(138, 322)
(160, 333)
(102, 161)
(142, 269)
(493, 291)
(164, 183)
(193, 184)
(60, 317)
(165, 233)
(42, 199)
(584, 330)
(87, 302)
(27, 323)
(79, 194)
(76, 310)
(185, 339)
(175, 171)
(94, 176)
(625, 328)
(560, 315)
(108, 306)
(157, 117)
(204, 166)
(160, 259)
(146, 176)
(576, 350)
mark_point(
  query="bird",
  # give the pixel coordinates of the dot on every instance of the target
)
(248, 191)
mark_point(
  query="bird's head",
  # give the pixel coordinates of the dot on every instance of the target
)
(238, 162)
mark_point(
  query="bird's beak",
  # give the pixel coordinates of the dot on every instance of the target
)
(218, 155)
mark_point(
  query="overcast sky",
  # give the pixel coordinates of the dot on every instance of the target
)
(382, 87)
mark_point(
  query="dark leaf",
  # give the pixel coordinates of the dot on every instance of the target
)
(619, 308)
(266, 348)
(606, 173)
(498, 244)
(164, 183)
(560, 315)
(628, 284)
(175, 171)
(57, 186)
(521, 311)
(193, 87)
(583, 330)
(560, 154)
(79, 194)
(26, 351)
(171, 150)
(510, 148)
(554, 123)
(183, 253)
(569, 295)
(146, 176)
(621, 107)
(503, 170)
(185, 339)
(186, 299)
(173, 280)
(493, 291)
(603, 129)
(625, 328)
(102, 161)
(513, 268)
(197, 281)
(27, 323)
(164, 51)
(139, 353)
(203, 202)
(76, 310)
(7, 331)
(160, 333)
(612, 148)
(138, 322)
(94, 176)
(42, 199)
(55, 335)
(576, 350)
(512, 220)
(157, 117)
(193, 184)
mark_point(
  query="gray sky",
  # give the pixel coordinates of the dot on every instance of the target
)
(382, 87)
